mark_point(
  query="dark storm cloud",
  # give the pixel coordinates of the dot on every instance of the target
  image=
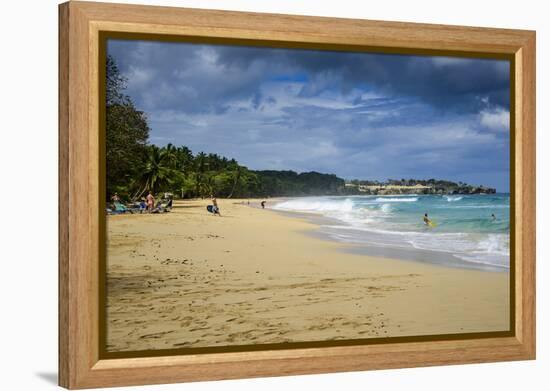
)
(203, 78)
(450, 83)
(356, 115)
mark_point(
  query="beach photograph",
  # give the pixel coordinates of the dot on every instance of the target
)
(262, 196)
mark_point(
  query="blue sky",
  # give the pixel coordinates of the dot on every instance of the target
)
(357, 115)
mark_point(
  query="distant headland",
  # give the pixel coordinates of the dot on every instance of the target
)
(414, 186)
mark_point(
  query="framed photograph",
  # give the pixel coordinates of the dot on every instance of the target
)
(246, 195)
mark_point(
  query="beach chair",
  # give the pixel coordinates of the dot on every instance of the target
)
(121, 208)
(163, 207)
(138, 207)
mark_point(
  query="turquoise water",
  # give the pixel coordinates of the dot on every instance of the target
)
(464, 227)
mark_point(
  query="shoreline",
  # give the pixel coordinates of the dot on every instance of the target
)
(437, 258)
(190, 279)
(376, 240)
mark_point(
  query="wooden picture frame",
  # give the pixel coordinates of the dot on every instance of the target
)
(80, 27)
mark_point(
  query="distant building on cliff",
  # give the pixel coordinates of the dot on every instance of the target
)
(436, 187)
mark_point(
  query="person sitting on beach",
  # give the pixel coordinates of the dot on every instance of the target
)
(262, 204)
(115, 198)
(142, 205)
(169, 204)
(215, 208)
(427, 221)
(150, 202)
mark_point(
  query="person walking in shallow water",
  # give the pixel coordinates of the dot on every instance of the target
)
(262, 204)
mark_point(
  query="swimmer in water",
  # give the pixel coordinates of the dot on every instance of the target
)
(427, 221)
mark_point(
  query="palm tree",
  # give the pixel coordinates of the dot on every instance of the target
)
(208, 184)
(236, 179)
(170, 155)
(200, 169)
(184, 158)
(157, 171)
(213, 160)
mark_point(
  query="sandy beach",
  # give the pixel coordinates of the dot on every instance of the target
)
(191, 279)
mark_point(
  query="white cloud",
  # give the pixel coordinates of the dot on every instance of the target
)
(450, 61)
(139, 76)
(497, 120)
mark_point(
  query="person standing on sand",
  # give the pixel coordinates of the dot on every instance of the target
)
(215, 209)
(262, 204)
(150, 202)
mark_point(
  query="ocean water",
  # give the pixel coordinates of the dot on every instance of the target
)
(464, 229)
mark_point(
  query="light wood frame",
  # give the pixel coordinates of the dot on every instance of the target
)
(80, 24)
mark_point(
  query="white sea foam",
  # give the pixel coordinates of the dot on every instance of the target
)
(398, 195)
(493, 250)
(463, 243)
(485, 259)
(488, 249)
(315, 205)
(482, 207)
(397, 199)
(453, 198)
(386, 208)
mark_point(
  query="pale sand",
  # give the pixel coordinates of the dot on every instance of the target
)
(191, 279)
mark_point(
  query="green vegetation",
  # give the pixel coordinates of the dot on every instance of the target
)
(290, 183)
(176, 170)
(127, 134)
